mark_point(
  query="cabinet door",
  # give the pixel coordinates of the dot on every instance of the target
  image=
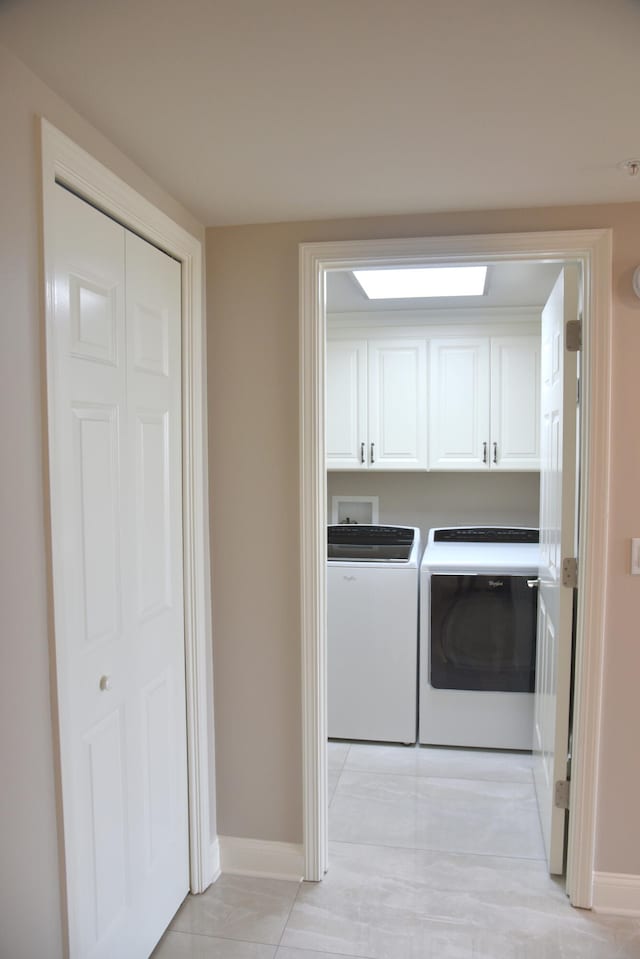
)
(397, 404)
(346, 436)
(515, 403)
(459, 404)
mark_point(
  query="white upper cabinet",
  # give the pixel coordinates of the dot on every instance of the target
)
(376, 404)
(484, 407)
(515, 403)
(465, 401)
(347, 427)
(459, 403)
(397, 404)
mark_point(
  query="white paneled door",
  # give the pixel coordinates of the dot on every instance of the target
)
(557, 541)
(115, 410)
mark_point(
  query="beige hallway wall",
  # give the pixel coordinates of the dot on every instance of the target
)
(30, 907)
(252, 290)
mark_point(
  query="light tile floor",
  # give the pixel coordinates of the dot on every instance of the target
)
(434, 854)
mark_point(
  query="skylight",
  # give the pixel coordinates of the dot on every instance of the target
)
(422, 282)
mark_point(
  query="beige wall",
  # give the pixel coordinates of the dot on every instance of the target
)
(30, 909)
(252, 291)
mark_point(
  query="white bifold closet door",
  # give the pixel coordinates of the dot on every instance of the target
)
(114, 392)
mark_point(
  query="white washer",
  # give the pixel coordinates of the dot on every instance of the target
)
(372, 632)
(478, 600)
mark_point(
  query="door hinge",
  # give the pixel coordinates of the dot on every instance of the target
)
(573, 336)
(561, 794)
(570, 572)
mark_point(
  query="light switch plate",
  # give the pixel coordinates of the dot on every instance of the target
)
(635, 556)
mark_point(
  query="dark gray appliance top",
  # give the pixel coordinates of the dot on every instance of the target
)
(369, 544)
(486, 534)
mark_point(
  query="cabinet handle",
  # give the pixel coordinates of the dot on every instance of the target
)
(484, 452)
(372, 458)
(362, 452)
(495, 452)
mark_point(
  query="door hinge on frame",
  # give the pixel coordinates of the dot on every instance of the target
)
(570, 572)
(561, 794)
(573, 336)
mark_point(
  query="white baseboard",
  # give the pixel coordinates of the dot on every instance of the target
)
(214, 861)
(258, 857)
(616, 893)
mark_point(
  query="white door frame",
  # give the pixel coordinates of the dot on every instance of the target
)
(66, 163)
(590, 248)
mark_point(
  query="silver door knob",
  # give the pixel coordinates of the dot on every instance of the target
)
(105, 683)
(532, 583)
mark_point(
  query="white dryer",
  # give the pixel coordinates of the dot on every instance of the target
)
(372, 632)
(478, 612)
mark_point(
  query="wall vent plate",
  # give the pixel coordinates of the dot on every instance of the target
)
(354, 509)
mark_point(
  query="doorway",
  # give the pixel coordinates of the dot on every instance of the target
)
(592, 252)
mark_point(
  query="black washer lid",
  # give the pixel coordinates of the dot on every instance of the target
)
(354, 534)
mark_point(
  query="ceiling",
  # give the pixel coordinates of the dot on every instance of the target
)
(508, 285)
(266, 110)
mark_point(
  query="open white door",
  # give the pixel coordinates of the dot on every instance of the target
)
(557, 542)
(116, 508)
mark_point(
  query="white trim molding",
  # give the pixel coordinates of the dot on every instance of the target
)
(66, 163)
(261, 858)
(592, 250)
(617, 894)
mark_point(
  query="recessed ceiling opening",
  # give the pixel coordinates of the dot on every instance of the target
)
(418, 282)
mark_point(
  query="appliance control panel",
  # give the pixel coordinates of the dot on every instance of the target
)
(486, 534)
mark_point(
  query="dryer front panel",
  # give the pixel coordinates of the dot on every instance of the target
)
(483, 633)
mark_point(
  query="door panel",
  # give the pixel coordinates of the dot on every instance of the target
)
(105, 781)
(159, 765)
(459, 404)
(557, 540)
(347, 426)
(95, 447)
(117, 567)
(157, 662)
(94, 320)
(397, 405)
(153, 512)
(515, 403)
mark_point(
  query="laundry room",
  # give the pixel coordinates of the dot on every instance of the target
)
(435, 433)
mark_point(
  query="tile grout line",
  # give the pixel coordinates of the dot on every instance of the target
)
(217, 935)
(346, 755)
(339, 770)
(462, 779)
(286, 922)
(338, 955)
(443, 852)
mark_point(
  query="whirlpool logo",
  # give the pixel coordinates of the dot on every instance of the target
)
(495, 583)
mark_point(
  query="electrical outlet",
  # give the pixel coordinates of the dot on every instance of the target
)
(635, 556)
